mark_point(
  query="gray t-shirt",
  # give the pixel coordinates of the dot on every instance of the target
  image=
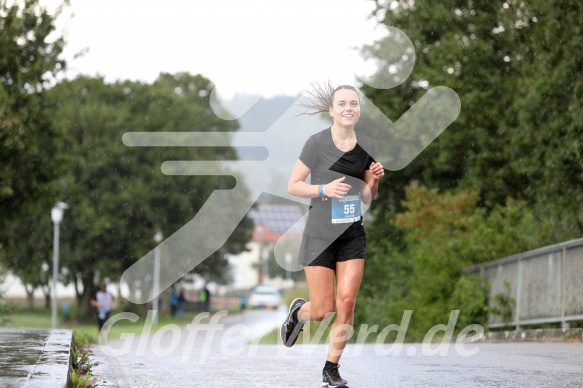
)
(105, 300)
(327, 163)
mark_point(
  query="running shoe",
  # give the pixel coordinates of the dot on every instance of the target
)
(291, 328)
(331, 378)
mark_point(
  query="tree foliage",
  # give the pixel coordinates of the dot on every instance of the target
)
(29, 253)
(30, 148)
(441, 234)
(29, 144)
(118, 196)
(518, 133)
(507, 172)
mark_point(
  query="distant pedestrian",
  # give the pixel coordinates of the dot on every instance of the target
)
(243, 302)
(104, 303)
(173, 302)
(181, 303)
(66, 312)
(205, 298)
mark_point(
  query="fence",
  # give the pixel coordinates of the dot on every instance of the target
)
(546, 284)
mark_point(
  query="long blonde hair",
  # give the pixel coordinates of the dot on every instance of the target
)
(321, 97)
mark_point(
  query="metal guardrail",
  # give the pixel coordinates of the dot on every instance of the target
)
(546, 284)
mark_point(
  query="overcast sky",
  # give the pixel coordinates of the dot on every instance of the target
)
(265, 47)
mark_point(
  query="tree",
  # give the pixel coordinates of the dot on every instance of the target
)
(118, 196)
(455, 47)
(516, 140)
(30, 153)
(29, 62)
(520, 96)
(29, 254)
(547, 136)
(441, 234)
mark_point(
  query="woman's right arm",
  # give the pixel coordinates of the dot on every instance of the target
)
(298, 187)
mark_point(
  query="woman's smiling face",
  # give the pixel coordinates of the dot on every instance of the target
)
(345, 109)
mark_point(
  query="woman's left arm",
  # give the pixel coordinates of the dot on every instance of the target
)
(371, 180)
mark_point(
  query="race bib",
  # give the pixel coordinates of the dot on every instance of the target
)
(346, 209)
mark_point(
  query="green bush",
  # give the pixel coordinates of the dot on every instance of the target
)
(470, 297)
(503, 305)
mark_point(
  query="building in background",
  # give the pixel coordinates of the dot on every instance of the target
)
(271, 221)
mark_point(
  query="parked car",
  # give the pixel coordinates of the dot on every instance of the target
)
(264, 296)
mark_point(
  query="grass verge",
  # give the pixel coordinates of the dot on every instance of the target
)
(81, 364)
(41, 318)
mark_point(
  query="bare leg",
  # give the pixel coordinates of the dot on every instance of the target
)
(321, 286)
(348, 279)
(103, 334)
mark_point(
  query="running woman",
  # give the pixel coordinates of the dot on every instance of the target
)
(343, 174)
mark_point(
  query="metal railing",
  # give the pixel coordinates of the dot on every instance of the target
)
(546, 284)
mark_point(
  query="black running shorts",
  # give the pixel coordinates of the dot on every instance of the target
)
(315, 251)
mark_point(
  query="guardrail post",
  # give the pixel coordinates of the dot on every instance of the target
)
(519, 271)
(563, 288)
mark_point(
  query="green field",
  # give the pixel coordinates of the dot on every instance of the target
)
(41, 318)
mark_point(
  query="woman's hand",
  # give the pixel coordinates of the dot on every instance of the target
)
(336, 188)
(371, 178)
(377, 171)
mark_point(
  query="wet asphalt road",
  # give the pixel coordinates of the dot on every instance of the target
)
(218, 354)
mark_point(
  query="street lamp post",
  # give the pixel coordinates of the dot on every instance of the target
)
(57, 216)
(156, 302)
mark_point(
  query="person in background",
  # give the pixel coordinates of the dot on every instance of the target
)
(173, 301)
(205, 298)
(104, 303)
(181, 303)
(243, 302)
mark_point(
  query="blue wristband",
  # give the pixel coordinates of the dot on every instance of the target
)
(321, 190)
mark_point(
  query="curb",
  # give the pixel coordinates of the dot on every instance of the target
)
(534, 335)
